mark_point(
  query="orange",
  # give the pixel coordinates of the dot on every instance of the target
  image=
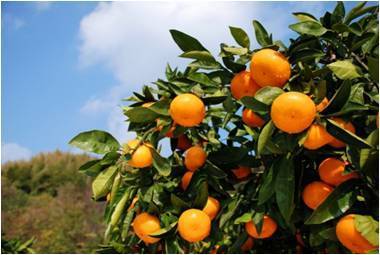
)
(212, 207)
(293, 112)
(241, 172)
(183, 142)
(247, 245)
(242, 85)
(346, 125)
(317, 136)
(331, 171)
(195, 157)
(350, 237)
(315, 193)
(187, 110)
(186, 178)
(322, 105)
(194, 225)
(267, 230)
(252, 119)
(145, 224)
(270, 68)
(141, 157)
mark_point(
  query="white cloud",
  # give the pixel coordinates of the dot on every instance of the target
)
(14, 151)
(13, 21)
(132, 39)
(43, 6)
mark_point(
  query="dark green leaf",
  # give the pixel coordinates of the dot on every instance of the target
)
(96, 141)
(336, 204)
(265, 136)
(186, 42)
(103, 182)
(268, 94)
(339, 99)
(262, 36)
(255, 105)
(339, 11)
(163, 232)
(162, 165)
(240, 36)
(229, 211)
(228, 155)
(202, 79)
(199, 55)
(161, 107)
(202, 195)
(178, 203)
(303, 16)
(266, 190)
(91, 168)
(141, 115)
(373, 66)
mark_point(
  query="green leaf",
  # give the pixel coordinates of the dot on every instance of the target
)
(358, 11)
(373, 66)
(162, 165)
(309, 28)
(202, 79)
(161, 107)
(229, 211)
(141, 115)
(254, 104)
(202, 195)
(120, 208)
(199, 55)
(284, 187)
(268, 94)
(262, 36)
(339, 99)
(266, 190)
(264, 137)
(91, 168)
(344, 69)
(369, 158)
(228, 155)
(178, 203)
(339, 10)
(345, 136)
(336, 204)
(95, 141)
(368, 227)
(103, 182)
(246, 217)
(235, 50)
(240, 36)
(303, 16)
(163, 232)
(186, 42)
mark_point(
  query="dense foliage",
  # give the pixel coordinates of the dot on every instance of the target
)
(334, 57)
(46, 206)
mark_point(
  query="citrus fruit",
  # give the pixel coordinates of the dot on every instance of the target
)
(322, 105)
(247, 245)
(270, 68)
(350, 237)
(183, 142)
(195, 157)
(187, 110)
(186, 178)
(331, 171)
(252, 119)
(212, 207)
(317, 136)
(241, 172)
(267, 230)
(141, 157)
(315, 193)
(346, 125)
(242, 85)
(293, 112)
(145, 224)
(194, 225)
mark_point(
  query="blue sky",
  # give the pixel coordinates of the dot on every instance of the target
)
(67, 65)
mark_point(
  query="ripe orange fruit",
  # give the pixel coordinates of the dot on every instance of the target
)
(212, 207)
(247, 245)
(293, 112)
(322, 105)
(195, 157)
(186, 178)
(141, 157)
(241, 172)
(183, 142)
(350, 237)
(187, 110)
(268, 229)
(331, 171)
(317, 136)
(242, 85)
(194, 225)
(145, 224)
(315, 193)
(270, 68)
(252, 119)
(346, 125)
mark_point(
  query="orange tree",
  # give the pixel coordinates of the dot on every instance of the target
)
(273, 150)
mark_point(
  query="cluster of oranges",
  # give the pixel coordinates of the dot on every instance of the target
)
(291, 112)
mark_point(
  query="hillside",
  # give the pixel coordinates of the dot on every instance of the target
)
(47, 199)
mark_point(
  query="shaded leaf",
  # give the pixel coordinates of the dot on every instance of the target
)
(103, 182)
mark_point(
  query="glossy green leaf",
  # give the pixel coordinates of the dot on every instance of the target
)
(336, 204)
(268, 94)
(202, 79)
(265, 136)
(339, 99)
(95, 141)
(141, 115)
(266, 190)
(202, 195)
(368, 228)
(240, 36)
(199, 55)
(254, 104)
(163, 232)
(344, 69)
(228, 155)
(262, 36)
(186, 42)
(162, 165)
(121, 205)
(235, 50)
(303, 16)
(369, 158)
(91, 168)
(309, 28)
(246, 217)
(178, 203)
(373, 66)
(229, 211)
(103, 182)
